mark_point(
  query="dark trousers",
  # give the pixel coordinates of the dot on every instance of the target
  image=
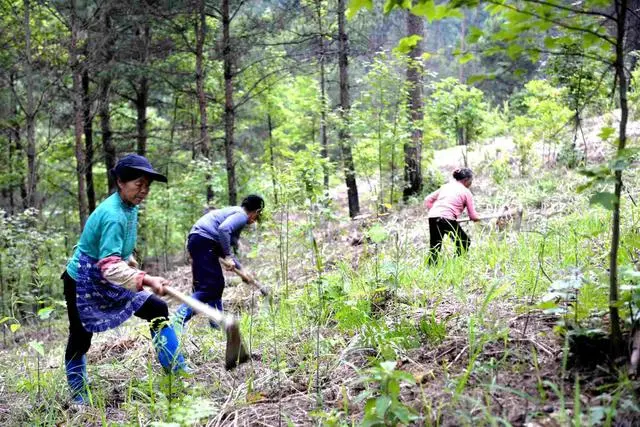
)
(440, 227)
(208, 279)
(154, 310)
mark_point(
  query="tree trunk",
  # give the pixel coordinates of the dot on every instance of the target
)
(229, 110)
(201, 32)
(142, 97)
(15, 153)
(324, 147)
(272, 161)
(616, 334)
(345, 106)
(88, 140)
(142, 93)
(78, 116)
(463, 31)
(108, 149)
(413, 147)
(633, 36)
(30, 113)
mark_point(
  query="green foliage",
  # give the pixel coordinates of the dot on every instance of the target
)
(500, 170)
(30, 260)
(581, 77)
(432, 179)
(634, 94)
(458, 109)
(383, 406)
(379, 125)
(543, 123)
(298, 166)
(390, 341)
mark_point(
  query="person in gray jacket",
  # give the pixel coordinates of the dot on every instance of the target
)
(209, 244)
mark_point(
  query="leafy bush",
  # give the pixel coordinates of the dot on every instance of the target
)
(383, 406)
(544, 122)
(432, 179)
(500, 170)
(458, 109)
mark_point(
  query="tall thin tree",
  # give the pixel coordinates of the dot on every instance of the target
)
(413, 147)
(76, 72)
(205, 141)
(345, 106)
(30, 111)
(229, 109)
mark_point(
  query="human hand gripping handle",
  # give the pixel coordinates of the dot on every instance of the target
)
(156, 283)
(228, 263)
(247, 278)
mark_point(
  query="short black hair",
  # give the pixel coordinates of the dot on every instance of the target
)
(253, 202)
(462, 173)
(126, 174)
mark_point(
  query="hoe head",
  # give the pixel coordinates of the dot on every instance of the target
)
(235, 353)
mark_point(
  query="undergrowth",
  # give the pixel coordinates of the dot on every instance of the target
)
(376, 336)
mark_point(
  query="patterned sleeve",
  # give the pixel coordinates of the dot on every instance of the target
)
(116, 270)
(113, 267)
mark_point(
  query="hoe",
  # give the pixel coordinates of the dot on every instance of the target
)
(235, 352)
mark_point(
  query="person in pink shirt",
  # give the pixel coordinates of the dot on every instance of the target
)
(445, 205)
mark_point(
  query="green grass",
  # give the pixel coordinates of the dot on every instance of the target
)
(330, 328)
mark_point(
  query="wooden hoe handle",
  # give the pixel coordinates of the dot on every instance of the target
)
(235, 352)
(245, 278)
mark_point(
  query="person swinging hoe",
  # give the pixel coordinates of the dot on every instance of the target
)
(103, 285)
(445, 206)
(209, 245)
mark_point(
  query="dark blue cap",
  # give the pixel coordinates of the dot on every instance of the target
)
(135, 161)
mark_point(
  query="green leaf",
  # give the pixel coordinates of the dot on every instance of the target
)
(4, 319)
(382, 404)
(407, 44)
(448, 12)
(603, 198)
(38, 347)
(45, 312)
(378, 234)
(356, 5)
(426, 9)
(388, 366)
(465, 58)
(476, 78)
(14, 327)
(394, 388)
(514, 50)
(605, 133)
(370, 407)
(582, 187)
(474, 34)
(392, 4)
(550, 42)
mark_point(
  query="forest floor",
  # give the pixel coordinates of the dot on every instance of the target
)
(469, 341)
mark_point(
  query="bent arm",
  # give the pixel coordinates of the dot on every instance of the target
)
(232, 225)
(116, 270)
(431, 199)
(113, 267)
(473, 215)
